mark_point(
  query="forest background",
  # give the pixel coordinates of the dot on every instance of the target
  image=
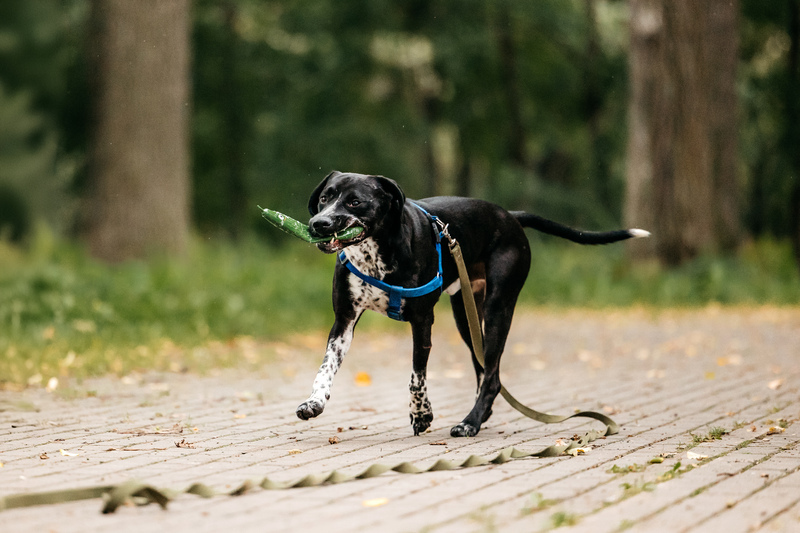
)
(136, 139)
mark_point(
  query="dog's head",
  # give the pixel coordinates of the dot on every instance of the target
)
(344, 200)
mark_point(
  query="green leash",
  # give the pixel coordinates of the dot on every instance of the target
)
(476, 335)
(140, 493)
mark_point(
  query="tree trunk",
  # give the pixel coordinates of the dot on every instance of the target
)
(682, 147)
(792, 134)
(137, 201)
(235, 125)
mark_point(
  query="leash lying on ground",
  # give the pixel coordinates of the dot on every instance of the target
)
(143, 494)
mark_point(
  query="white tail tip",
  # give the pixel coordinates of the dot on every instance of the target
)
(638, 233)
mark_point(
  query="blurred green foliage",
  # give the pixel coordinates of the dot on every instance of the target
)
(520, 103)
(201, 312)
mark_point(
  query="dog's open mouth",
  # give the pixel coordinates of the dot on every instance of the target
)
(338, 241)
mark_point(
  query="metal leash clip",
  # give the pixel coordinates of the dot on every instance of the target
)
(445, 233)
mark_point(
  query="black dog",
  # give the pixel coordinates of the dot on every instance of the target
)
(398, 247)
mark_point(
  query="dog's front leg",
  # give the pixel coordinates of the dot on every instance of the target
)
(338, 343)
(420, 409)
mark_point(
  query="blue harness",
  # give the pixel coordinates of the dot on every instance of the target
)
(396, 292)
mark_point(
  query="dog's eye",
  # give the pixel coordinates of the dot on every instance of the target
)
(354, 203)
(323, 199)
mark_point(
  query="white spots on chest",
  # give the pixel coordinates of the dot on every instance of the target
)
(364, 256)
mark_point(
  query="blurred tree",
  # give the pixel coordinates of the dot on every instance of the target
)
(41, 130)
(138, 194)
(771, 117)
(792, 134)
(682, 149)
(523, 104)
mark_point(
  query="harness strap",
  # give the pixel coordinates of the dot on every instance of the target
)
(397, 292)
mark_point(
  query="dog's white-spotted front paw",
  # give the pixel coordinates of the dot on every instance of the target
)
(309, 409)
(421, 421)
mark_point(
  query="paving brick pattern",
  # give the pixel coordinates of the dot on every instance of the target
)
(670, 379)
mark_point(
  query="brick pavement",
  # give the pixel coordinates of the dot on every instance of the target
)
(668, 378)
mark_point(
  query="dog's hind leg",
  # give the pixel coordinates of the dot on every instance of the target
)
(420, 410)
(505, 275)
(338, 344)
(460, 316)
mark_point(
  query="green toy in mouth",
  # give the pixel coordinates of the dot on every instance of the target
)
(300, 230)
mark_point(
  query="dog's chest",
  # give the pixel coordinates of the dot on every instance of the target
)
(364, 256)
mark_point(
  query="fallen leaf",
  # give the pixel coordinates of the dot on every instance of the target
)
(775, 384)
(183, 444)
(240, 415)
(752, 429)
(438, 443)
(656, 460)
(43, 456)
(339, 430)
(295, 452)
(68, 454)
(709, 375)
(363, 379)
(375, 502)
(334, 440)
(694, 456)
(775, 430)
(579, 451)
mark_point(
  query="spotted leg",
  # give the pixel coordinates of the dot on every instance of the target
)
(338, 343)
(420, 410)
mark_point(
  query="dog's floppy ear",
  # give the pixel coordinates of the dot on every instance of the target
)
(313, 202)
(391, 187)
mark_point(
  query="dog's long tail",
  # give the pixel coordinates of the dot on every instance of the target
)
(581, 237)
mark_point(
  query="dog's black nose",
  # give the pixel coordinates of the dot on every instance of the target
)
(321, 226)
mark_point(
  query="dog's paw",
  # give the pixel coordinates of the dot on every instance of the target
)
(421, 421)
(309, 409)
(464, 430)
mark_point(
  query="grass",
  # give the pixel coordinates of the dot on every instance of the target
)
(626, 469)
(536, 503)
(714, 433)
(562, 519)
(63, 314)
(762, 272)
